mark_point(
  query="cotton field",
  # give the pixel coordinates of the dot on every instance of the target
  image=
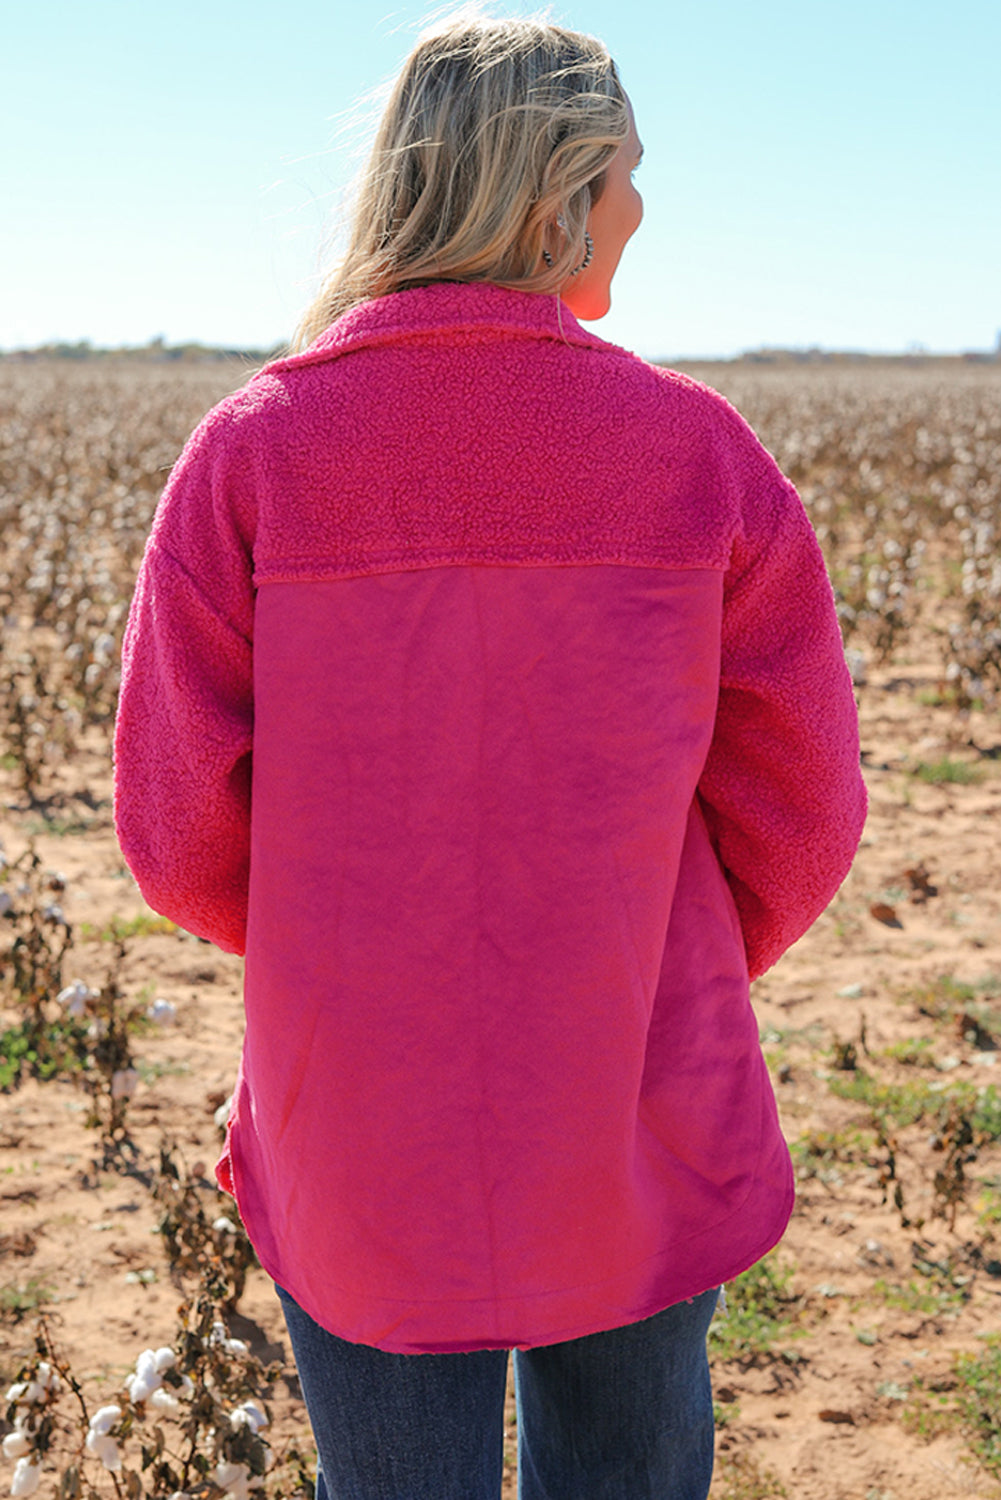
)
(142, 1350)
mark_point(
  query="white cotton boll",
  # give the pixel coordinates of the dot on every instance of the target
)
(249, 1414)
(221, 1115)
(856, 662)
(124, 1082)
(162, 1012)
(234, 1479)
(164, 1358)
(164, 1400)
(187, 1386)
(16, 1445)
(105, 1448)
(74, 997)
(220, 1338)
(222, 1225)
(145, 1381)
(47, 1376)
(26, 1477)
(53, 912)
(104, 1419)
(26, 1392)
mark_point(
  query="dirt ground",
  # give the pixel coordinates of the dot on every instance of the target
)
(820, 1411)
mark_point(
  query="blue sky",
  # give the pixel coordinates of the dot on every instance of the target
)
(815, 173)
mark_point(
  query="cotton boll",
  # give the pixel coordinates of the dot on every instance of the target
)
(164, 1400)
(26, 1392)
(16, 1444)
(124, 1082)
(233, 1478)
(25, 1479)
(249, 1414)
(856, 666)
(219, 1337)
(74, 997)
(145, 1381)
(105, 1418)
(104, 1447)
(164, 1358)
(222, 1225)
(5, 903)
(221, 1115)
(104, 647)
(162, 1012)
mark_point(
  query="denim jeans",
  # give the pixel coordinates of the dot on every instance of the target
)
(621, 1415)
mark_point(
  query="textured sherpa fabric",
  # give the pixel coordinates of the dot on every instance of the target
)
(483, 683)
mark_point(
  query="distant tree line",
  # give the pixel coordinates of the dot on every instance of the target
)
(156, 351)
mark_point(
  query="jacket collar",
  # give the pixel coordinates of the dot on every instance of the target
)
(439, 311)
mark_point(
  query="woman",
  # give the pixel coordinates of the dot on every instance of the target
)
(483, 684)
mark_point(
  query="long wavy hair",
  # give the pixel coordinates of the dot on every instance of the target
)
(490, 152)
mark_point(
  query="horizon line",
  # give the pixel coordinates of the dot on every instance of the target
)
(191, 350)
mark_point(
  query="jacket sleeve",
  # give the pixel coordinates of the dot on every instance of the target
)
(782, 788)
(184, 730)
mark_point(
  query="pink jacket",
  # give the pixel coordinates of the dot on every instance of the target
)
(483, 683)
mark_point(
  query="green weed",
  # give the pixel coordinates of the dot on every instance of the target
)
(738, 1476)
(909, 1103)
(820, 1154)
(947, 772)
(20, 1301)
(760, 1308)
(120, 929)
(913, 1052)
(979, 1397)
(969, 1402)
(937, 1288)
(941, 998)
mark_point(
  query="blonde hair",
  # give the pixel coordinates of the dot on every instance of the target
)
(496, 132)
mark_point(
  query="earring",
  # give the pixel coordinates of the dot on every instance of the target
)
(588, 253)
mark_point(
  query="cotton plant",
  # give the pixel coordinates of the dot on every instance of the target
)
(112, 1077)
(186, 1414)
(201, 1238)
(75, 1029)
(29, 1407)
(237, 1479)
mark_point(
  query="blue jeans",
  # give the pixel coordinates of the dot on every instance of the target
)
(622, 1415)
